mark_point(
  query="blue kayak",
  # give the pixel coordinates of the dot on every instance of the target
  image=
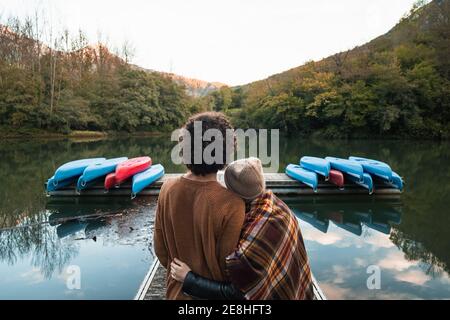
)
(374, 167)
(305, 176)
(144, 179)
(52, 185)
(98, 170)
(351, 168)
(397, 181)
(74, 169)
(317, 165)
(366, 183)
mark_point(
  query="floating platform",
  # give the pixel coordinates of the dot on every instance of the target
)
(279, 183)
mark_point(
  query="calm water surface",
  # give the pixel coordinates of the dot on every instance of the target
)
(110, 240)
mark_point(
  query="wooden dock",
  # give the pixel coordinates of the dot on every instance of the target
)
(279, 183)
(154, 285)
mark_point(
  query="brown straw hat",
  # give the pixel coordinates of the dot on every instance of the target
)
(245, 178)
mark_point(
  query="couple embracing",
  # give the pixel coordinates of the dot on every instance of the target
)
(238, 242)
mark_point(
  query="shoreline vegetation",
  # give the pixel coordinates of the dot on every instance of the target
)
(37, 134)
(64, 85)
(33, 133)
(394, 87)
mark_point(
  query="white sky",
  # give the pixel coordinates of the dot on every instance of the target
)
(231, 41)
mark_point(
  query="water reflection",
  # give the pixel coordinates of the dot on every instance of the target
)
(344, 236)
(40, 238)
(80, 232)
(349, 213)
(26, 164)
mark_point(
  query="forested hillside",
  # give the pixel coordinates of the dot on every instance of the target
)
(397, 85)
(73, 86)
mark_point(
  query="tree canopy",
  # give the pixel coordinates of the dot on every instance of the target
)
(398, 85)
(74, 86)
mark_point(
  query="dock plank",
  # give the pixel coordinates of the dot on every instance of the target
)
(155, 284)
(157, 288)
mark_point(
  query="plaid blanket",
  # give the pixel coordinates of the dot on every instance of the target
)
(271, 261)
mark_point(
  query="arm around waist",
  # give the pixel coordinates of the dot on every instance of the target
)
(203, 288)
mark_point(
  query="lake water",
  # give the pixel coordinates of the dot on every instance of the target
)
(44, 242)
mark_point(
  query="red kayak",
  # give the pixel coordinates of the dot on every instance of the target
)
(126, 170)
(337, 178)
(110, 181)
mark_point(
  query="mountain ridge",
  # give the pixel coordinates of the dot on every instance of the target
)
(195, 87)
(391, 36)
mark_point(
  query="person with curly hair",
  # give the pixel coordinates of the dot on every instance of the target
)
(197, 219)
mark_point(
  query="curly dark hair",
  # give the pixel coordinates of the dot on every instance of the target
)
(209, 120)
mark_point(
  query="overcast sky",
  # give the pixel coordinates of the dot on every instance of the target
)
(231, 41)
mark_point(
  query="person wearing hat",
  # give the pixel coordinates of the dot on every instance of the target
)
(270, 261)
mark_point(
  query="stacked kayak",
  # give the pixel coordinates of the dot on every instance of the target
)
(307, 177)
(337, 171)
(108, 173)
(97, 171)
(365, 182)
(348, 167)
(322, 167)
(69, 173)
(375, 168)
(337, 178)
(126, 170)
(317, 165)
(146, 178)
